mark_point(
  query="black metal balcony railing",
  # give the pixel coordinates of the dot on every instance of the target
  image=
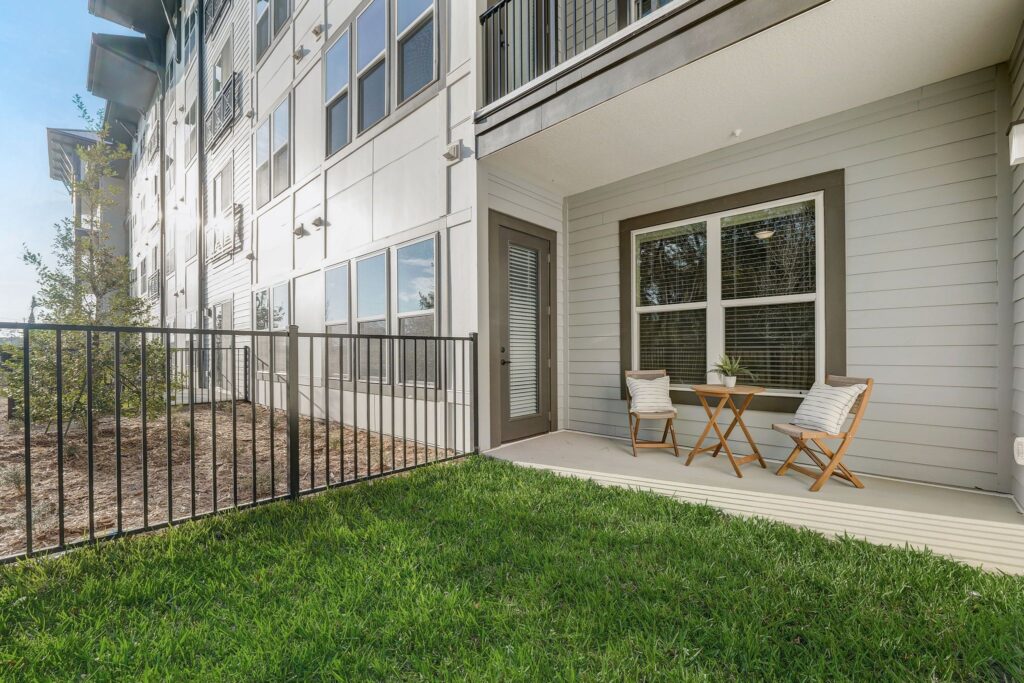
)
(121, 430)
(214, 10)
(525, 38)
(225, 110)
(154, 285)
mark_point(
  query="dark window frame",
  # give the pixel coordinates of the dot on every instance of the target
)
(832, 185)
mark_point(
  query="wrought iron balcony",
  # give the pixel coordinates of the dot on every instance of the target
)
(225, 110)
(154, 285)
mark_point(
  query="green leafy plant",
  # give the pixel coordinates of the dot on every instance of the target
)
(731, 367)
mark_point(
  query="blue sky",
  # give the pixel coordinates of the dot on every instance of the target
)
(44, 53)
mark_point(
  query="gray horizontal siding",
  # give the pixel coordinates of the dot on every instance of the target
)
(1017, 213)
(922, 318)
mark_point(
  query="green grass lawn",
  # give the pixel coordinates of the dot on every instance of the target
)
(485, 571)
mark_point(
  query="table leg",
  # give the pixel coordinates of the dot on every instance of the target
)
(738, 412)
(725, 444)
(712, 419)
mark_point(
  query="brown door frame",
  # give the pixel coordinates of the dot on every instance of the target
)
(495, 221)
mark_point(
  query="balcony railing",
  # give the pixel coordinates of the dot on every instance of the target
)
(525, 38)
(214, 12)
(154, 285)
(224, 111)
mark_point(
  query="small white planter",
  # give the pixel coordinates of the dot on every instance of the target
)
(729, 381)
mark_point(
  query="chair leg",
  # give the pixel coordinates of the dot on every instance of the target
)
(634, 427)
(833, 463)
(664, 433)
(792, 457)
(672, 431)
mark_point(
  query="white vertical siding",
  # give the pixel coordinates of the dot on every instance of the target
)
(921, 229)
(1016, 68)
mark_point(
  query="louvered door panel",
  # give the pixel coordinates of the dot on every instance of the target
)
(523, 331)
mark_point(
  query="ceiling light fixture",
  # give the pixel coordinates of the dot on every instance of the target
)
(764, 234)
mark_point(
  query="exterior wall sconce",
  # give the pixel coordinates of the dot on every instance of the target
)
(250, 256)
(454, 151)
(318, 222)
(1016, 133)
(299, 230)
(318, 30)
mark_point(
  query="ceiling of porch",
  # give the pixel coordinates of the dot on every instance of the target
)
(843, 54)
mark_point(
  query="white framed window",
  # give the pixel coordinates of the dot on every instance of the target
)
(192, 121)
(262, 160)
(272, 312)
(280, 157)
(748, 282)
(336, 93)
(415, 266)
(222, 68)
(271, 18)
(371, 65)
(415, 46)
(371, 314)
(221, 234)
(337, 320)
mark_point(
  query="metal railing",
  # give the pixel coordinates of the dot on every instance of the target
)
(523, 39)
(214, 12)
(123, 430)
(224, 110)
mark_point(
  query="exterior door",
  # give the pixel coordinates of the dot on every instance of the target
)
(524, 333)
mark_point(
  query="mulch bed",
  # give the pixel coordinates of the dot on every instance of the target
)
(239, 469)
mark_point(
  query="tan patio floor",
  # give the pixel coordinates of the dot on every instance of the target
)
(971, 526)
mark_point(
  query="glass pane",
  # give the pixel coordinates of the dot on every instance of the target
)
(337, 67)
(370, 33)
(420, 355)
(337, 125)
(280, 345)
(409, 10)
(372, 96)
(770, 252)
(338, 351)
(523, 331)
(671, 265)
(336, 294)
(262, 310)
(775, 342)
(279, 303)
(281, 171)
(372, 287)
(282, 10)
(262, 27)
(281, 125)
(370, 349)
(416, 277)
(263, 184)
(675, 341)
(263, 143)
(417, 60)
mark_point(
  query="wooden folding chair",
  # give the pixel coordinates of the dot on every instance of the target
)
(635, 417)
(829, 462)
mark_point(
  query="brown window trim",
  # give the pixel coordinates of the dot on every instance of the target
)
(833, 186)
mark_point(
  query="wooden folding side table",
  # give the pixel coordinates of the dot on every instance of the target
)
(724, 395)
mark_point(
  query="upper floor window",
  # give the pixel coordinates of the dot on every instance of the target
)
(281, 159)
(192, 121)
(273, 160)
(263, 163)
(271, 17)
(222, 68)
(414, 30)
(746, 282)
(371, 64)
(189, 33)
(336, 93)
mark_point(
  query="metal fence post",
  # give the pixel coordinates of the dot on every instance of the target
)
(476, 392)
(292, 389)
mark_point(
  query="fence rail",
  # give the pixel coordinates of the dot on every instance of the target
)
(122, 430)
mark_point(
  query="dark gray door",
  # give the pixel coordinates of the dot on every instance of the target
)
(524, 322)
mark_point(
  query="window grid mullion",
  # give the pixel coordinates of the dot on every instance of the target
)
(716, 313)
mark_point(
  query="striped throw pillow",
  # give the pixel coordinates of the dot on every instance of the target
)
(649, 395)
(825, 408)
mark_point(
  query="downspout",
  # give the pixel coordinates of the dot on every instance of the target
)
(162, 194)
(201, 122)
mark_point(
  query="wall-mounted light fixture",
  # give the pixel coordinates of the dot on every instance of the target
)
(318, 222)
(250, 256)
(1016, 133)
(318, 30)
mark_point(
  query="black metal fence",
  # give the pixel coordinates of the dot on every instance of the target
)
(118, 431)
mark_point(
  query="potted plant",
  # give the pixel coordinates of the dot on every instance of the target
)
(728, 369)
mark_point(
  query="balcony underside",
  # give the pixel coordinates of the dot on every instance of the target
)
(833, 57)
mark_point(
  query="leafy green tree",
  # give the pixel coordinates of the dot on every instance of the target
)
(86, 281)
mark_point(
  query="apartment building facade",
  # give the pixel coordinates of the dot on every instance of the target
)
(595, 187)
